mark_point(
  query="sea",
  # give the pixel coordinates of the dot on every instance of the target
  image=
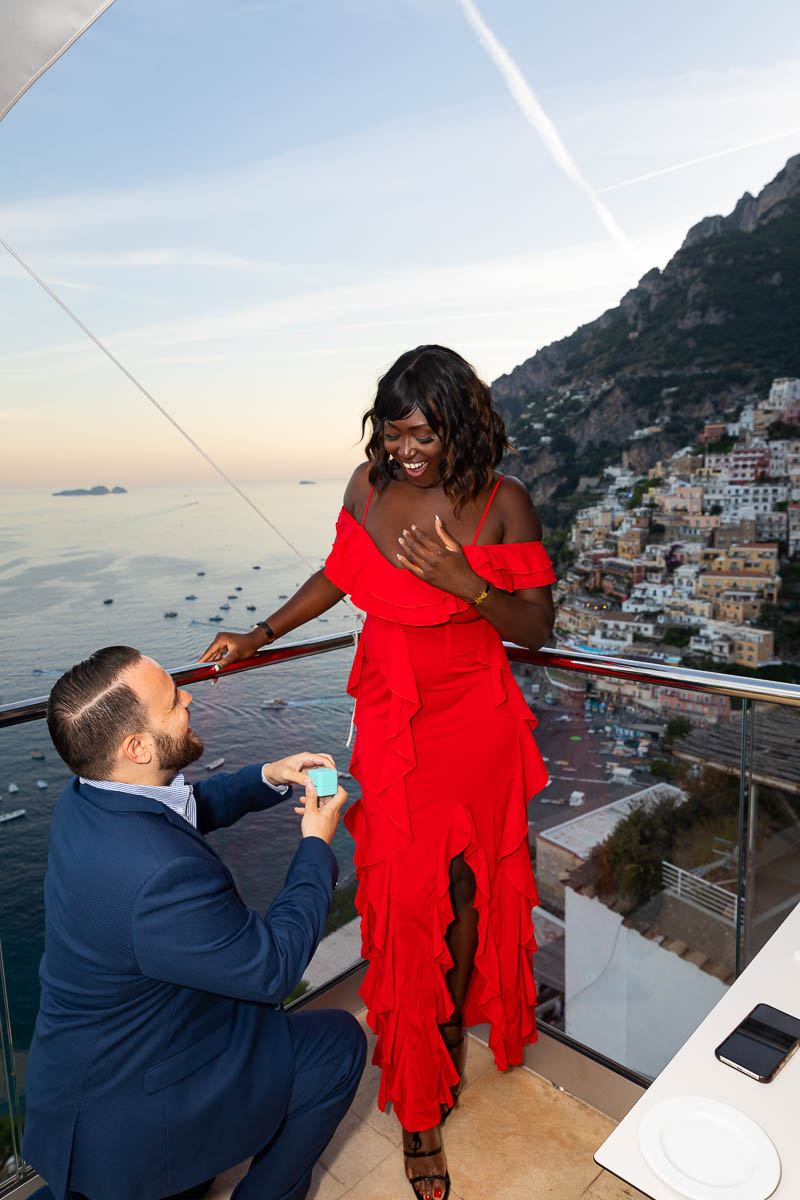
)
(148, 551)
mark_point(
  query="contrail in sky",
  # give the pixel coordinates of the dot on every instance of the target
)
(533, 112)
(692, 162)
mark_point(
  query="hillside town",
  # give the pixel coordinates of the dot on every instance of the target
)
(685, 562)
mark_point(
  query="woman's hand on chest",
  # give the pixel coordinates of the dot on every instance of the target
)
(438, 559)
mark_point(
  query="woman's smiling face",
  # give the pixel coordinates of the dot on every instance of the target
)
(415, 447)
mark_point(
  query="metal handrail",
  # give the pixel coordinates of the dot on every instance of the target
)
(19, 712)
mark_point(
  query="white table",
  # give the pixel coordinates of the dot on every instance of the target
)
(773, 977)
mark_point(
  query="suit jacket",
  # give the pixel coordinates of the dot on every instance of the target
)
(161, 1054)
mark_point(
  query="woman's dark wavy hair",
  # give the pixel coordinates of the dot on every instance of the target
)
(458, 407)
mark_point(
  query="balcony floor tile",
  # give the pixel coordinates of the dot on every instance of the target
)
(513, 1135)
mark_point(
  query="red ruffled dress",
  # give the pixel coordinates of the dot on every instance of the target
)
(447, 763)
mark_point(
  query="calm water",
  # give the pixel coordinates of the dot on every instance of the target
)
(60, 557)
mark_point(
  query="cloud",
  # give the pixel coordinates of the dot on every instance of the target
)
(163, 256)
(497, 289)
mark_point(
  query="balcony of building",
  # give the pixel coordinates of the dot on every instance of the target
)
(666, 848)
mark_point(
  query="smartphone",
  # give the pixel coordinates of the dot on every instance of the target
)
(765, 1040)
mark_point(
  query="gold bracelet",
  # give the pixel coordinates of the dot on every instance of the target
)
(487, 587)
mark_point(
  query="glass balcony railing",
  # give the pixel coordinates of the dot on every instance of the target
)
(666, 845)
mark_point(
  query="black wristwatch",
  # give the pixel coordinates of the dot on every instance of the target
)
(268, 630)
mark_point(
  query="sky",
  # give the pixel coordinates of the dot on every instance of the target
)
(259, 205)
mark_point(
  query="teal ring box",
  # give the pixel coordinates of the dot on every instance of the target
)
(325, 780)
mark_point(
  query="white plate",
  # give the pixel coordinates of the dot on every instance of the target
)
(707, 1150)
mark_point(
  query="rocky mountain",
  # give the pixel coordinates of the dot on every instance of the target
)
(683, 347)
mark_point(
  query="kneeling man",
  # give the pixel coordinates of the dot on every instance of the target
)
(162, 1055)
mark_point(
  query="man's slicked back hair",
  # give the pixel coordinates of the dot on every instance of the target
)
(90, 711)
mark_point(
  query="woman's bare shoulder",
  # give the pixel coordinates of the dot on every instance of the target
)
(357, 490)
(520, 519)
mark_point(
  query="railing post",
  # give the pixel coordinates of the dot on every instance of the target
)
(9, 1074)
(740, 869)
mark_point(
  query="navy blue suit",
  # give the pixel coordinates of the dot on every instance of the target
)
(162, 1055)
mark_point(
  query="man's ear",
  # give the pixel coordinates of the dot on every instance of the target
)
(137, 748)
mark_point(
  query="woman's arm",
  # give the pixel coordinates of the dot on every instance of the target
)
(315, 596)
(525, 616)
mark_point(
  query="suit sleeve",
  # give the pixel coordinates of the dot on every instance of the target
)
(224, 799)
(191, 928)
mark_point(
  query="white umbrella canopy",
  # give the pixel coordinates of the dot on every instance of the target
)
(33, 34)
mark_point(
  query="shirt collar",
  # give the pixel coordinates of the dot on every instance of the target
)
(177, 794)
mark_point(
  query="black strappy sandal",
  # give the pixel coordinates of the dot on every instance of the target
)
(458, 1060)
(415, 1179)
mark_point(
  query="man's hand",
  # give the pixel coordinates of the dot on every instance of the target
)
(320, 818)
(229, 648)
(290, 770)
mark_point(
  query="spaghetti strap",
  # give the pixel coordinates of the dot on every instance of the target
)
(485, 511)
(366, 510)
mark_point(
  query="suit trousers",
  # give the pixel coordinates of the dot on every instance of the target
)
(329, 1051)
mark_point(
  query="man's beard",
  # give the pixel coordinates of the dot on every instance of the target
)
(175, 753)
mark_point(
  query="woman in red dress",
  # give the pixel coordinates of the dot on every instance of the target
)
(445, 557)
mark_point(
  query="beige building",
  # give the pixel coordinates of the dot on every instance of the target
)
(711, 584)
(753, 647)
(736, 608)
(683, 499)
(735, 533)
(631, 543)
(756, 557)
(580, 615)
(685, 610)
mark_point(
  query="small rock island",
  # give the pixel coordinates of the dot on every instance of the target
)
(99, 490)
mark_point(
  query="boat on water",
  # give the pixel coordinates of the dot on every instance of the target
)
(10, 816)
(13, 788)
(201, 572)
(232, 596)
(238, 587)
(171, 613)
(217, 762)
(282, 596)
(110, 600)
(40, 783)
(215, 618)
(37, 753)
(251, 608)
(191, 596)
(225, 607)
(277, 702)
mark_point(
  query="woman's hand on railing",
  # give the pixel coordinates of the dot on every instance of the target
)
(320, 817)
(228, 648)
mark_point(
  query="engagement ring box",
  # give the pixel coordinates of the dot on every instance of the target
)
(325, 780)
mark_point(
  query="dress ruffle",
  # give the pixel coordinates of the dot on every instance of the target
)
(376, 586)
(447, 763)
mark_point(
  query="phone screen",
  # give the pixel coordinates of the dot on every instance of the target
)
(762, 1043)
